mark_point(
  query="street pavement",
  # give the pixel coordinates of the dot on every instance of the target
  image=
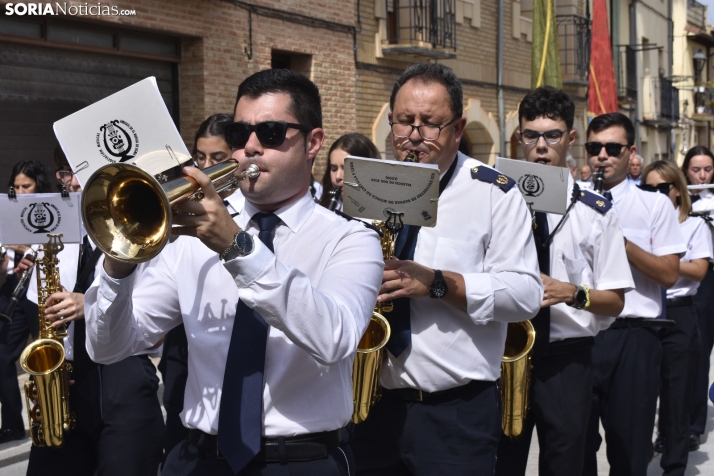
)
(13, 456)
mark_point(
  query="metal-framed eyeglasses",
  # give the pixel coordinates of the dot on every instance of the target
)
(64, 176)
(427, 132)
(552, 137)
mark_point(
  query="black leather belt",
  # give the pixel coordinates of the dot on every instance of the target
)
(631, 322)
(276, 450)
(416, 395)
(680, 301)
(567, 346)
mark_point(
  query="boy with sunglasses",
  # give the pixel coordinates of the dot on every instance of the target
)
(626, 356)
(584, 271)
(274, 301)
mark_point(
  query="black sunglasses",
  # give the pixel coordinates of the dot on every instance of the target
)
(613, 149)
(663, 187)
(269, 133)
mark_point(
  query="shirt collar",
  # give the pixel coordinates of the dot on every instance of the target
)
(620, 190)
(293, 216)
(236, 200)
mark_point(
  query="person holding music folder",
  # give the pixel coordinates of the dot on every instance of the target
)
(626, 356)
(209, 148)
(454, 286)
(349, 144)
(120, 427)
(584, 270)
(27, 176)
(274, 301)
(698, 168)
(680, 343)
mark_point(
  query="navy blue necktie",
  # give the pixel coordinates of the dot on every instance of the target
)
(696, 198)
(240, 421)
(541, 322)
(607, 195)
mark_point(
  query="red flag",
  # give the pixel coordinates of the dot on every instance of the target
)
(602, 91)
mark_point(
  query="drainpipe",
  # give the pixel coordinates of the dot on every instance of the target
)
(501, 108)
(633, 43)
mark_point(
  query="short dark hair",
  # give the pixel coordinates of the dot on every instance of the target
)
(612, 119)
(693, 152)
(34, 170)
(433, 73)
(550, 102)
(215, 125)
(354, 144)
(305, 102)
(59, 158)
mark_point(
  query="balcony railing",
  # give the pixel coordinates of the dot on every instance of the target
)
(574, 37)
(422, 27)
(627, 74)
(660, 100)
(697, 14)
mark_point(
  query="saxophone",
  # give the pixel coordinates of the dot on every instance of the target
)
(516, 377)
(47, 393)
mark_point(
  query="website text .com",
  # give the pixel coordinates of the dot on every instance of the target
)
(63, 8)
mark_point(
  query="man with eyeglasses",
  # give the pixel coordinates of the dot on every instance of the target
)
(274, 301)
(584, 271)
(626, 356)
(455, 287)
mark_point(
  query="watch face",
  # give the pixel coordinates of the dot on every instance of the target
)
(244, 243)
(438, 289)
(580, 298)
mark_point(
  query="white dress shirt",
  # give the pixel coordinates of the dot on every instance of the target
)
(317, 293)
(699, 246)
(649, 221)
(705, 204)
(485, 235)
(588, 249)
(586, 184)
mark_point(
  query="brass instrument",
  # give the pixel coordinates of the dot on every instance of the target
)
(6, 315)
(127, 211)
(516, 377)
(47, 394)
(370, 350)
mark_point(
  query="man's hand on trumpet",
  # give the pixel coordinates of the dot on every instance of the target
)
(207, 220)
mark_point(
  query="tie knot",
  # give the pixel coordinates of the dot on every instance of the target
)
(607, 195)
(266, 221)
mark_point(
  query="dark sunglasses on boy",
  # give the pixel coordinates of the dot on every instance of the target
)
(613, 149)
(269, 133)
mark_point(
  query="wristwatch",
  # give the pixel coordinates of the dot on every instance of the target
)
(581, 298)
(242, 246)
(438, 288)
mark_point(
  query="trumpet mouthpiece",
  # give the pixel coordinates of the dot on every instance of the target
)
(253, 171)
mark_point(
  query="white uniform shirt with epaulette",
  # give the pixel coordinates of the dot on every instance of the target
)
(482, 232)
(699, 246)
(588, 249)
(649, 221)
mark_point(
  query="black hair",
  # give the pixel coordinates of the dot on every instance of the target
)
(550, 102)
(693, 152)
(612, 119)
(433, 73)
(354, 144)
(215, 125)
(34, 170)
(305, 102)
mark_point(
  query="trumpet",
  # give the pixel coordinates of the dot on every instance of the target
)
(6, 315)
(127, 211)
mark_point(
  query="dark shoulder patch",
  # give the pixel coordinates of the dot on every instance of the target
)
(705, 217)
(489, 175)
(595, 201)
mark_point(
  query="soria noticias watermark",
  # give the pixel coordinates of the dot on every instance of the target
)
(66, 8)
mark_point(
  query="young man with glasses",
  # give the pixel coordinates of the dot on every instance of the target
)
(274, 301)
(584, 271)
(455, 286)
(626, 356)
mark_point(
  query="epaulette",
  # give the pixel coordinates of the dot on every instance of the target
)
(595, 201)
(705, 217)
(366, 224)
(489, 175)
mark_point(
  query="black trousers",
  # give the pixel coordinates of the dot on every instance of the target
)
(174, 372)
(13, 340)
(680, 355)
(129, 439)
(454, 434)
(626, 368)
(561, 391)
(704, 305)
(186, 460)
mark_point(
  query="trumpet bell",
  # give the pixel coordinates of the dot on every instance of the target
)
(126, 213)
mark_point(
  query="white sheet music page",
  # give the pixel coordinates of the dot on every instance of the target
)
(28, 219)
